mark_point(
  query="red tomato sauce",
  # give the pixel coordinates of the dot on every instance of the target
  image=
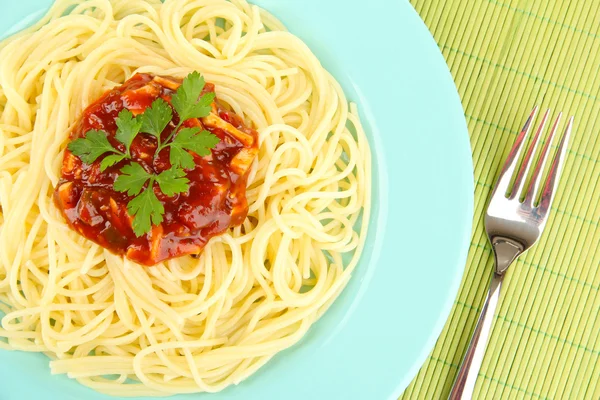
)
(216, 199)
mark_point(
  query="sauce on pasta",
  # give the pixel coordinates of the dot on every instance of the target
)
(215, 201)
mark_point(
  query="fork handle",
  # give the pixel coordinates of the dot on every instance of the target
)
(469, 369)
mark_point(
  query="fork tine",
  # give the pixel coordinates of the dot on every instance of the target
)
(513, 157)
(528, 160)
(536, 178)
(555, 170)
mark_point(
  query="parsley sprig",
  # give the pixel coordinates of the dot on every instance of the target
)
(139, 183)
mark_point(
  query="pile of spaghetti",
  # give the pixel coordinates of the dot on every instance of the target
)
(186, 324)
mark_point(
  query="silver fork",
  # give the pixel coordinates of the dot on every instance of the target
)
(513, 226)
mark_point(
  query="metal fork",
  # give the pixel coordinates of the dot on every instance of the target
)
(514, 221)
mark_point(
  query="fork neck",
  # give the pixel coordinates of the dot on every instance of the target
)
(506, 251)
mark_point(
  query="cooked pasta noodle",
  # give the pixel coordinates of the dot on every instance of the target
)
(185, 325)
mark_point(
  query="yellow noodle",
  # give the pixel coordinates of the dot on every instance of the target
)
(185, 325)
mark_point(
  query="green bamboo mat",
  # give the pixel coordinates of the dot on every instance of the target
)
(507, 56)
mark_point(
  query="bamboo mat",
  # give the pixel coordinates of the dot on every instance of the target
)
(507, 56)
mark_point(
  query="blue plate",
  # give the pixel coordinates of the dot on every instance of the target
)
(372, 341)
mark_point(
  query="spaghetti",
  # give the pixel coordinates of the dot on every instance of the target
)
(184, 325)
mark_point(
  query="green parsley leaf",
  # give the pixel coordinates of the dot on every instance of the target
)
(173, 181)
(147, 210)
(93, 145)
(192, 86)
(179, 157)
(128, 128)
(193, 140)
(132, 180)
(111, 160)
(202, 108)
(186, 100)
(200, 143)
(156, 118)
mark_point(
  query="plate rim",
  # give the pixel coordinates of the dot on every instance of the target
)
(466, 233)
